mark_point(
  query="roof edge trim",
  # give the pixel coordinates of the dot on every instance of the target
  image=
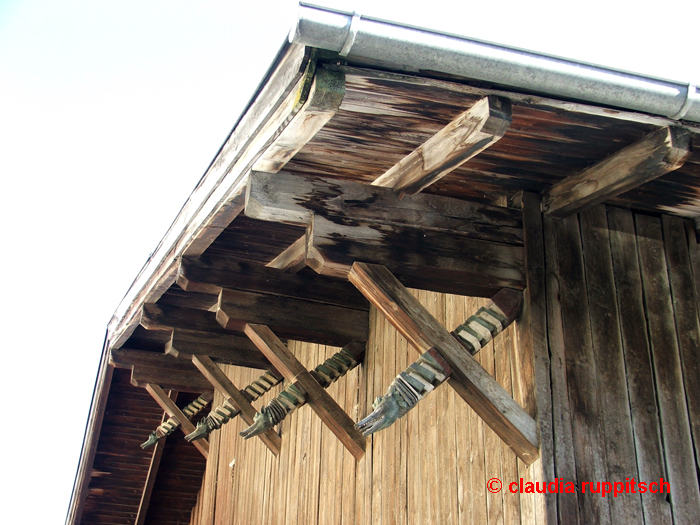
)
(420, 50)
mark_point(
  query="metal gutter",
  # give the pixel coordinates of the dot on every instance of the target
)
(420, 50)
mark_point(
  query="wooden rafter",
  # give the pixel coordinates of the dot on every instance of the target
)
(469, 134)
(153, 470)
(172, 410)
(655, 155)
(153, 367)
(332, 415)
(481, 391)
(297, 319)
(225, 387)
(229, 349)
(211, 274)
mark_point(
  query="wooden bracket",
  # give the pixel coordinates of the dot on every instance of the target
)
(488, 399)
(226, 388)
(332, 415)
(172, 410)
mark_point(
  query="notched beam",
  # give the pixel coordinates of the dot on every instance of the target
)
(469, 134)
(298, 319)
(210, 274)
(655, 155)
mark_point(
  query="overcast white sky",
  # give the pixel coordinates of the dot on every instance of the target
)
(110, 111)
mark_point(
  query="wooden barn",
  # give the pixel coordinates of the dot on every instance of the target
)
(397, 209)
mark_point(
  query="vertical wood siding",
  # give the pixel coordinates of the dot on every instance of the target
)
(430, 467)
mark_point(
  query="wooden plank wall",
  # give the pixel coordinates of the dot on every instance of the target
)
(430, 467)
(624, 345)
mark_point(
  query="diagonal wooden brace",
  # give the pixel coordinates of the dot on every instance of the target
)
(225, 387)
(332, 415)
(172, 410)
(469, 379)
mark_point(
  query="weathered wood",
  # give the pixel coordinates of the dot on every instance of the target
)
(323, 100)
(211, 274)
(217, 200)
(469, 134)
(292, 259)
(469, 379)
(126, 358)
(437, 262)
(638, 366)
(589, 445)
(325, 407)
(295, 199)
(222, 348)
(616, 419)
(180, 380)
(227, 389)
(161, 317)
(532, 361)
(671, 399)
(172, 410)
(153, 470)
(564, 458)
(656, 154)
(293, 318)
(686, 316)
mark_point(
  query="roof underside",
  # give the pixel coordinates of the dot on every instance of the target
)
(383, 117)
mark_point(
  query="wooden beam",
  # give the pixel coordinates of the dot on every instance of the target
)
(488, 399)
(222, 348)
(225, 387)
(469, 134)
(172, 410)
(166, 317)
(293, 318)
(292, 259)
(170, 379)
(324, 98)
(655, 155)
(153, 470)
(349, 222)
(296, 199)
(439, 262)
(212, 273)
(321, 402)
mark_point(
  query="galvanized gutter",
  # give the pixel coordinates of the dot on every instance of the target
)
(420, 50)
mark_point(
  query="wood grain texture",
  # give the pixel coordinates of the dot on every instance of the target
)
(685, 310)
(222, 348)
(297, 319)
(616, 418)
(588, 441)
(638, 361)
(325, 407)
(665, 351)
(465, 137)
(660, 152)
(223, 385)
(169, 406)
(470, 380)
(212, 273)
(294, 199)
